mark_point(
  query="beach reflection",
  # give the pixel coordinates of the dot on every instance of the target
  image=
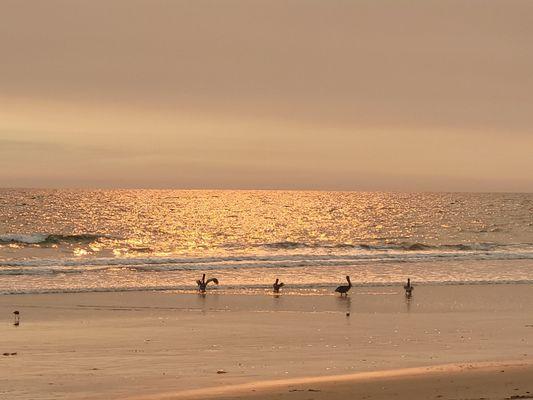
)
(345, 304)
(408, 300)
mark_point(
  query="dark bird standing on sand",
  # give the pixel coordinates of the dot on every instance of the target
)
(17, 318)
(277, 286)
(202, 284)
(343, 289)
(408, 288)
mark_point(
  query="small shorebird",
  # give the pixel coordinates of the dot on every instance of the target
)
(408, 288)
(277, 286)
(343, 289)
(202, 284)
(17, 318)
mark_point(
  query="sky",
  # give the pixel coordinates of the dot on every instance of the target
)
(407, 95)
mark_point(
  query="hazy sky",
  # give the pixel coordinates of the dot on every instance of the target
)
(298, 94)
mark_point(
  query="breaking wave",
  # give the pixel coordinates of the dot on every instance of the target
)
(46, 238)
(362, 255)
(397, 246)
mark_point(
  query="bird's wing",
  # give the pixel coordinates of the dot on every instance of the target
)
(214, 280)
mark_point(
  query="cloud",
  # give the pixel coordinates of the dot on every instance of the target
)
(359, 63)
(18, 148)
(237, 93)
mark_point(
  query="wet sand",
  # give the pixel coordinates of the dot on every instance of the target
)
(168, 345)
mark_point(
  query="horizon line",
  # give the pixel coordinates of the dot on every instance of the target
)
(203, 189)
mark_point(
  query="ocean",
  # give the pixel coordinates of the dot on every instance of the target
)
(115, 240)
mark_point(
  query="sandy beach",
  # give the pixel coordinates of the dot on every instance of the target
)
(464, 381)
(169, 345)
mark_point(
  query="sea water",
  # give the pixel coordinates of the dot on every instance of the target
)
(107, 240)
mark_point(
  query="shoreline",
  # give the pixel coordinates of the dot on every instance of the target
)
(266, 289)
(237, 278)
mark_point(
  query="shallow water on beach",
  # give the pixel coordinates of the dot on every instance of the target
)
(87, 240)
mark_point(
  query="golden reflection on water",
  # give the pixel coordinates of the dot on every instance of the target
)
(196, 222)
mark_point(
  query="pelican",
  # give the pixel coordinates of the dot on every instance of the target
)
(343, 289)
(202, 284)
(408, 288)
(277, 286)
